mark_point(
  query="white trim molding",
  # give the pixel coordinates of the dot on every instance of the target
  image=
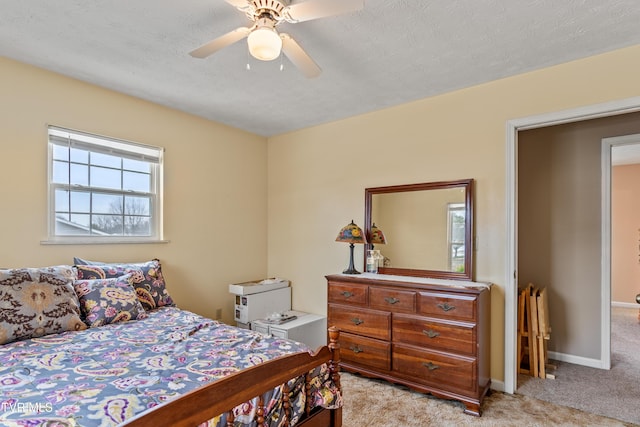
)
(625, 305)
(576, 360)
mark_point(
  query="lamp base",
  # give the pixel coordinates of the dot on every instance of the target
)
(351, 269)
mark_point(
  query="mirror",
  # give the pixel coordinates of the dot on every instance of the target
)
(428, 228)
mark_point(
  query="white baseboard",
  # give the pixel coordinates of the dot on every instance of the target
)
(576, 360)
(625, 304)
(497, 385)
(585, 361)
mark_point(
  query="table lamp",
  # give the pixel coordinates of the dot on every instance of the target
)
(351, 234)
(376, 236)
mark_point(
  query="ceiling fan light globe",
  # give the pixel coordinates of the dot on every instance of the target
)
(264, 44)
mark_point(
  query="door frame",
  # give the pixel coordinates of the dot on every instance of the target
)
(623, 106)
(607, 146)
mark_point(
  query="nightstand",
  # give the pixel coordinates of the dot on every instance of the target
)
(309, 329)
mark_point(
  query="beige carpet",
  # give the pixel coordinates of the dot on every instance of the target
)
(377, 403)
(611, 393)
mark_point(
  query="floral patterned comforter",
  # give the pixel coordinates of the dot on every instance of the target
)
(103, 376)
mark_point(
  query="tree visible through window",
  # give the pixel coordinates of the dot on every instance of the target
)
(456, 236)
(102, 187)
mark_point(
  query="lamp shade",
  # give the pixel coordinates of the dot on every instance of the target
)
(264, 42)
(376, 236)
(351, 233)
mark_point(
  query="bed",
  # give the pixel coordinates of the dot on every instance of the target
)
(156, 365)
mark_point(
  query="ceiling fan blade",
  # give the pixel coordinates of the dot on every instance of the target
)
(299, 57)
(314, 9)
(223, 41)
(242, 5)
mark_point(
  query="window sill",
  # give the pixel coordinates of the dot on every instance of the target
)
(93, 241)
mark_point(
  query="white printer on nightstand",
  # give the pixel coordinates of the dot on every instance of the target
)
(257, 299)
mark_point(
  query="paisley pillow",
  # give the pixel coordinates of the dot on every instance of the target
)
(82, 261)
(38, 301)
(147, 280)
(105, 301)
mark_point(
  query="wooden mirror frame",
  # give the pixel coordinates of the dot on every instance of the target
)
(467, 184)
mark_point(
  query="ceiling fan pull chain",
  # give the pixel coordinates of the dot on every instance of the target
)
(248, 59)
(281, 62)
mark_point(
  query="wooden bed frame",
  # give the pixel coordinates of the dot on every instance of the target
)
(221, 396)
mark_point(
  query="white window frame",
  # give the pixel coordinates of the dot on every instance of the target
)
(58, 136)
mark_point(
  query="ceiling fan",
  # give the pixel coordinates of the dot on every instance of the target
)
(265, 43)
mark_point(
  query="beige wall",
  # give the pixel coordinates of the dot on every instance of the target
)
(214, 182)
(215, 192)
(559, 244)
(317, 176)
(625, 233)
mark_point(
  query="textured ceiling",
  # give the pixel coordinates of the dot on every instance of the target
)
(391, 52)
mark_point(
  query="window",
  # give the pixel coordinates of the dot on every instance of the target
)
(456, 235)
(102, 189)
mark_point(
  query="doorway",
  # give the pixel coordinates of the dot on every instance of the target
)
(514, 127)
(622, 156)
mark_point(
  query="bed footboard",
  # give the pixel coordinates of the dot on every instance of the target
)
(221, 396)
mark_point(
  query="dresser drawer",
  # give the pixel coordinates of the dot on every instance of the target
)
(455, 337)
(365, 351)
(348, 294)
(456, 373)
(447, 306)
(391, 299)
(370, 323)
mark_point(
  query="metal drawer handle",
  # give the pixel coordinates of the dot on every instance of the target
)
(356, 349)
(430, 333)
(357, 321)
(347, 294)
(446, 306)
(431, 366)
(392, 300)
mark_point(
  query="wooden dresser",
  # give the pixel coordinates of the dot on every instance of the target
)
(431, 335)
